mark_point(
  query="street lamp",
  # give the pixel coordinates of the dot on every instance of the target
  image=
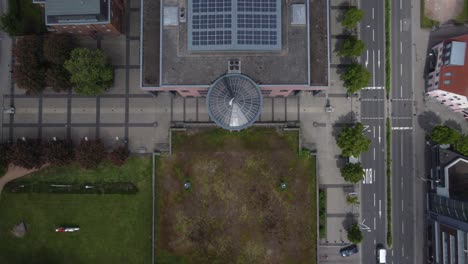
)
(427, 179)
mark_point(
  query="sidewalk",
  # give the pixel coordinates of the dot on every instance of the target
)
(5, 68)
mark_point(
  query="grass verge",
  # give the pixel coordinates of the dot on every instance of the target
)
(425, 21)
(463, 16)
(388, 67)
(322, 213)
(389, 183)
(114, 228)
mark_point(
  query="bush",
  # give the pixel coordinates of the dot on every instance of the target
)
(29, 71)
(355, 234)
(119, 155)
(355, 77)
(352, 172)
(59, 152)
(352, 17)
(30, 78)
(462, 145)
(28, 50)
(350, 199)
(4, 157)
(28, 154)
(90, 72)
(322, 214)
(444, 135)
(352, 141)
(90, 153)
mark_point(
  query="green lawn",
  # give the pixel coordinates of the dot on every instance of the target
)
(114, 228)
(235, 211)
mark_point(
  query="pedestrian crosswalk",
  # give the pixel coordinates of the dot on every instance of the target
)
(367, 178)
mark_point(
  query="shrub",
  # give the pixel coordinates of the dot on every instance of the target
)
(462, 145)
(29, 71)
(28, 154)
(90, 153)
(322, 213)
(119, 155)
(28, 50)
(355, 234)
(90, 72)
(30, 78)
(59, 152)
(352, 172)
(57, 48)
(351, 199)
(4, 157)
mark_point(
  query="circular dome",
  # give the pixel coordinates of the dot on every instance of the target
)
(234, 102)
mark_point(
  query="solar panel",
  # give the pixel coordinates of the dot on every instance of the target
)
(234, 25)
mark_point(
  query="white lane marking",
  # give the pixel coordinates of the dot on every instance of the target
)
(373, 88)
(401, 4)
(402, 202)
(374, 153)
(401, 153)
(367, 57)
(403, 228)
(375, 242)
(401, 90)
(380, 208)
(401, 47)
(373, 35)
(374, 199)
(401, 25)
(378, 58)
(380, 138)
(370, 176)
(402, 128)
(401, 69)
(373, 12)
(401, 185)
(373, 68)
(374, 225)
(403, 251)
(373, 129)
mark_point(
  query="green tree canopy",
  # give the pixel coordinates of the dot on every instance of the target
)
(444, 135)
(352, 17)
(352, 47)
(352, 172)
(355, 77)
(462, 145)
(352, 141)
(57, 48)
(355, 234)
(90, 72)
(58, 78)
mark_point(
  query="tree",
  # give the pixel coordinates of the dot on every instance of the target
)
(352, 141)
(351, 199)
(57, 48)
(90, 153)
(119, 155)
(355, 234)
(462, 145)
(90, 72)
(355, 77)
(28, 50)
(352, 172)
(28, 154)
(352, 47)
(444, 135)
(29, 72)
(30, 78)
(59, 152)
(57, 78)
(352, 17)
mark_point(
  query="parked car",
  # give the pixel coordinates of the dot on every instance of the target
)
(349, 250)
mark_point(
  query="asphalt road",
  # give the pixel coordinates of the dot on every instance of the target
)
(402, 97)
(373, 199)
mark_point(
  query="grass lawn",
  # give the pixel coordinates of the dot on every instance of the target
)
(114, 228)
(235, 211)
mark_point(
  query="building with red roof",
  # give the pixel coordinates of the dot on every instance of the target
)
(447, 81)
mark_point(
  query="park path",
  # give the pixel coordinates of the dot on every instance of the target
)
(15, 172)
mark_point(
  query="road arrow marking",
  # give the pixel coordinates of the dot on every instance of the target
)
(367, 58)
(380, 209)
(380, 138)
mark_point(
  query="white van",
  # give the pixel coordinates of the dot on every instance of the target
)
(382, 255)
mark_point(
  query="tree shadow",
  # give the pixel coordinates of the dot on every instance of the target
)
(349, 220)
(343, 121)
(453, 125)
(428, 120)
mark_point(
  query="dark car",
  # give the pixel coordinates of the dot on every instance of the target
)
(349, 250)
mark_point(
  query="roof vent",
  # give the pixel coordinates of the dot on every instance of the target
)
(234, 66)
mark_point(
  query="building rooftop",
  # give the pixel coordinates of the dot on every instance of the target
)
(281, 59)
(75, 11)
(453, 76)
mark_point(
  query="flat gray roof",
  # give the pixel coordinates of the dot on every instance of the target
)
(72, 7)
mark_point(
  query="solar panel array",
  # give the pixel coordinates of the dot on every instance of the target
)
(234, 25)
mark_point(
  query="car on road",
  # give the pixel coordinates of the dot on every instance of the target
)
(349, 250)
(381, 254)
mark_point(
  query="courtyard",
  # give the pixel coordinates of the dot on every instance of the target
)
(234, 209)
